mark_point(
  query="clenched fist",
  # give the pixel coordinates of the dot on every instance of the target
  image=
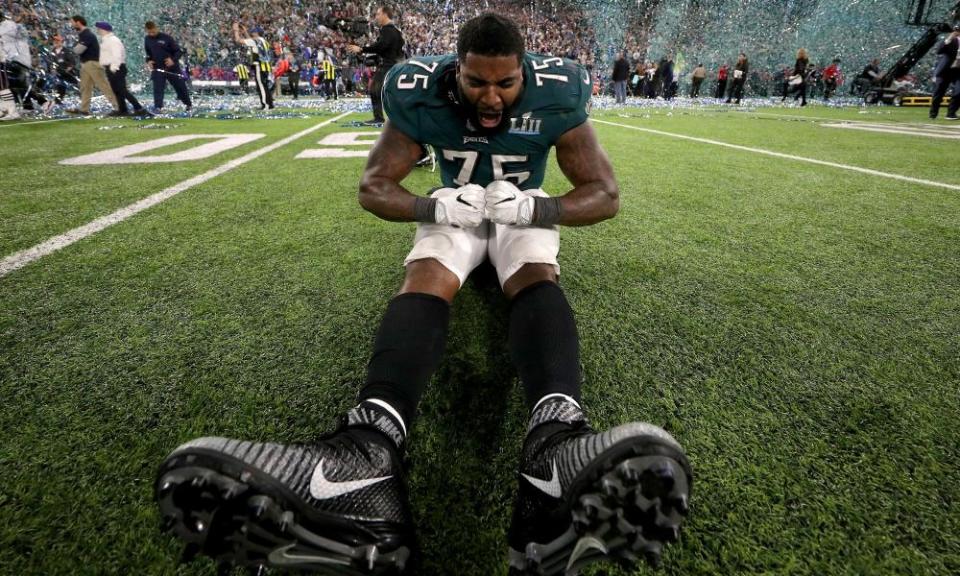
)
(507, 204)
(461, 207)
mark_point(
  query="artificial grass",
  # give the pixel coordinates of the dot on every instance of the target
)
(794, 327)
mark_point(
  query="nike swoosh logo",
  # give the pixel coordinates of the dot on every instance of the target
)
(282, 557)
(549, 487)
(323, 489)
(462, 201)
(510, 199)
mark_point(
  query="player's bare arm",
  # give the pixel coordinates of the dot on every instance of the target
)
(393, 157)
(595, 196)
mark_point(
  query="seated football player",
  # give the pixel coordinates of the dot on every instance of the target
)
(492, 111)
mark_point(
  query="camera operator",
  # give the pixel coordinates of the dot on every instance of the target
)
(388, 49)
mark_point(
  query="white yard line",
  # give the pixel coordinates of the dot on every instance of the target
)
(24, 257)
(865, 120)
(891, 129)
(6, 125)
(788, 156)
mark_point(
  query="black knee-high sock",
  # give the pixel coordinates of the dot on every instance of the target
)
(408, 348)
(544, 342)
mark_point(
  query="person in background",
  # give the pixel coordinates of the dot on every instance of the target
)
(945, 74)
(293, 75)
(258, 60)
(91, 72)
(699, 75)
(739, 78)
(63, 68)
(243, 76)
(328, 71)
(831, 78)
(389, 49)
(621, 71)
(800, 76)
(17, 63)
(163, 59)
(281, 69)
(869, 75)
(113, 59)
(721, 82)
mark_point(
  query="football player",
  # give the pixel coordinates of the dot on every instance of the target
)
(493, 112)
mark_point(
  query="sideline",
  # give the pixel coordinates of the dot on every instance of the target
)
(788, 156)
(29, 122)
(24, 257)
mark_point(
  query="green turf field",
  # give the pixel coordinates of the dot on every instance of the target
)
(795, 325)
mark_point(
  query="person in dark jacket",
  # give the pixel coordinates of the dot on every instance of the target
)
(63, 68)
(163, 58)
(621, 72)
(669, 89)
(869, 76)
(798, 81)
(91, 72)
(739, 78)
(389, 49)
(945, 74)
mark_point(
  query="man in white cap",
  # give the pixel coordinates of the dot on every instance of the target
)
(113, 59)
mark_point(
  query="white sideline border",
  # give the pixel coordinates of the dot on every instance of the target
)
(29, 122)
(955, 187)
(22, 258)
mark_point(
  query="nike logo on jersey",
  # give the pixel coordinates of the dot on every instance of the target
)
(549, 487)
(323, 489)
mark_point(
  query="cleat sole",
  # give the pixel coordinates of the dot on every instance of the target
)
(627, 507)
(259, 524)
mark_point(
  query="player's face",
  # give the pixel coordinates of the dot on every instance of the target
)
(490, 85)
(152, 32)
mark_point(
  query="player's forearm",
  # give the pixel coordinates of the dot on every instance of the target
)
(590, 203)
(386, 199)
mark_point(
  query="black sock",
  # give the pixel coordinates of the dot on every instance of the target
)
(544, 342)
(407, 350)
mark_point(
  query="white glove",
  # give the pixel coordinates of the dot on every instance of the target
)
(461, 207)
(507, 204)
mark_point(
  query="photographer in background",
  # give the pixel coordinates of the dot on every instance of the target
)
(389, 50)
(945, 73)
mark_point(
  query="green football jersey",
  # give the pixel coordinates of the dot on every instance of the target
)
(419, 97)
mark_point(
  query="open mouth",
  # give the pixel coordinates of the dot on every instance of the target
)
(489, 119)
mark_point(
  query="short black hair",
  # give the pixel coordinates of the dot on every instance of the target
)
(79, 18)
(150, 25)
(490, 34)
(387, 9)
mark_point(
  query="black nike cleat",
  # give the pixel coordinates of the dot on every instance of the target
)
(335, 507)
(587, 497)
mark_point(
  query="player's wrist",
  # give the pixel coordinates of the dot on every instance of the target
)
(547, 211)
(425, 210)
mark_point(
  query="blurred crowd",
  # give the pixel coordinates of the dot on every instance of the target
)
(310, 30)
(308, 33)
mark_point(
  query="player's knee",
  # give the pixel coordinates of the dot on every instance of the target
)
(429, 276)
(528, 275)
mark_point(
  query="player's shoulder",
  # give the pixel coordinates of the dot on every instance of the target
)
(415, 80)
(414, 87)
(557, 92)
(555, 84)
